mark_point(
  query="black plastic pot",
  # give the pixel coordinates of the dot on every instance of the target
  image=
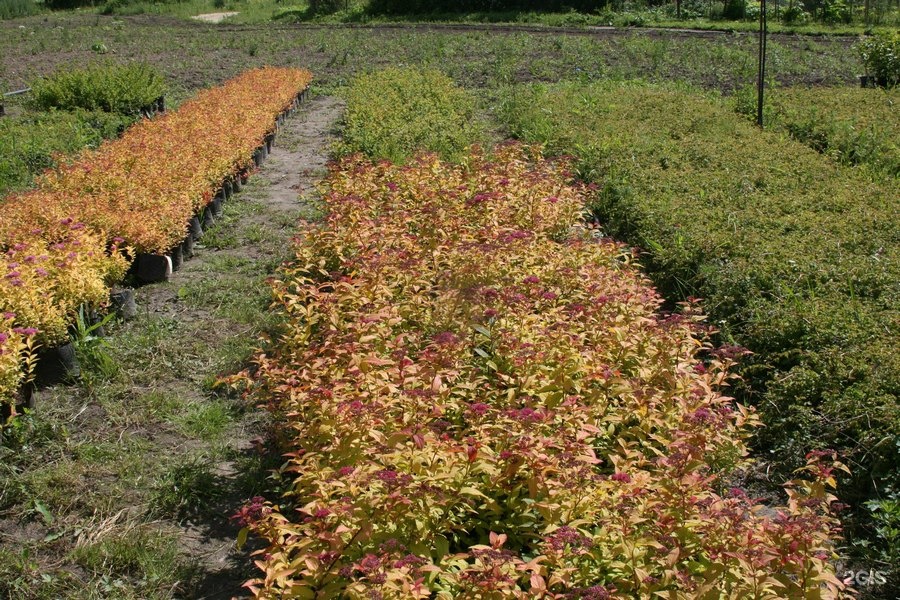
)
(237, 184)
(208, 218)
(216, 206)
(122, 302)
(259, 156)
(153, 268)
(160, 104)
(23, 400)
(227, 189)
(270, 142)
(56, 365)
(196, 229)
(187, 247)
(94, 319)
(177, 256)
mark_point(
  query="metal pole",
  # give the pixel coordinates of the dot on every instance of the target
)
(761, 79)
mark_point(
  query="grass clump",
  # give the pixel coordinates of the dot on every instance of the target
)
(125, 89)
(795, 255)
(852, 125)
(396, 112)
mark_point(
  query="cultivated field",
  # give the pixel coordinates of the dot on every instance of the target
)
(633, 360)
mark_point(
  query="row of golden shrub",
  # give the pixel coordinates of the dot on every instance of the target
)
(64, 243)
(480, 399)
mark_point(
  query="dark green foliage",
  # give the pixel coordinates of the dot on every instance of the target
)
(124, 89)
(397, 112)
(68, 4)
(11, 9)
(795, 256)
(427, 6)
(29, 143)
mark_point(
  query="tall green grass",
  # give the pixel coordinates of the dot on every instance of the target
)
(12, 9)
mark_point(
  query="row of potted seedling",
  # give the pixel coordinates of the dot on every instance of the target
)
(130, 203)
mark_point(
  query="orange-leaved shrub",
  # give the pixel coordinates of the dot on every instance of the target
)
(481, 399)
(145, 186)
(64, 243)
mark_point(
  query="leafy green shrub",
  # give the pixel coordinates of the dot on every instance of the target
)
(795, 15)
(29, 143)
(795, 255)
(853, 125)
(836, 11)
(11, 9)
(396, 112)
(880, 53)
(124, 89)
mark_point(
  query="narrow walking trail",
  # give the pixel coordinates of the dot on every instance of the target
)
(253, 240)
(127, 479)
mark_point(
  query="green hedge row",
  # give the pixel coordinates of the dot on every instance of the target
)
(119, 88)
(795, 255)
(852, 125)
(30, 142)
(397, 112)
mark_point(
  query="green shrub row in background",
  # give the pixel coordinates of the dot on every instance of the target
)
(30, 142)
(795, 255)
(852, 125)
(397, 112)
(120, 88)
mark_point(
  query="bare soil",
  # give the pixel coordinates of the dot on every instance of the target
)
(216, 17)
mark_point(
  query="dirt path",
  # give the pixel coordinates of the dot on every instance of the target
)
(275, 199)
(216, 17)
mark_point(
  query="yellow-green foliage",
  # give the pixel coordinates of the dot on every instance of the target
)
(858, 126)
(398, 111)
(119, 88)
(795, 255)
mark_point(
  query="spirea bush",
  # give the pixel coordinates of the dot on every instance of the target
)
(16, 358)
(145, 186)
(117, 88)
(65, 243)
(396, 112)
(481, 399)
